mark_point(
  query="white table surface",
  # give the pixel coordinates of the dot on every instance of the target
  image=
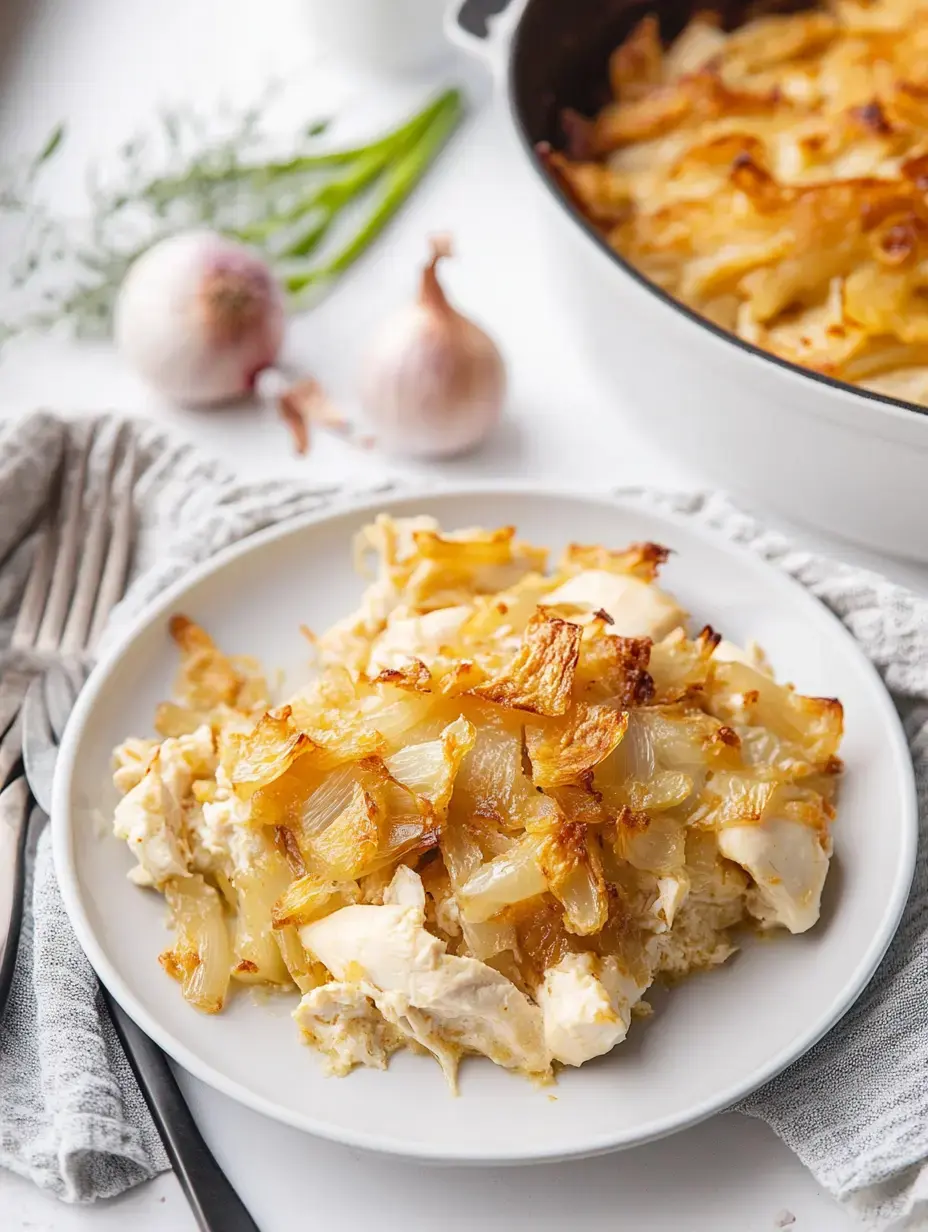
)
(104, 65)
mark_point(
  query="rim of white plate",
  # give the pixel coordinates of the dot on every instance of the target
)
(354, 502)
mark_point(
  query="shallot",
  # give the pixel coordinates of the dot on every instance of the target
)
(200, 317)
(433, 382)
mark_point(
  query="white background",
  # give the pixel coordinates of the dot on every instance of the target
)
(104, 65)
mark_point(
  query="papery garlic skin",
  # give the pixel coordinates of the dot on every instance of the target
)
(433, 382)
(199, 317)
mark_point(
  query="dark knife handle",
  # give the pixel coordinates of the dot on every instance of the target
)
(215, 1204)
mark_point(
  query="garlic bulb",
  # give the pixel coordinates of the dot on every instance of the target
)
(433, 382)
(200, 317)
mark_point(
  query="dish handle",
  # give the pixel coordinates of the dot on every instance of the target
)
(483, 28)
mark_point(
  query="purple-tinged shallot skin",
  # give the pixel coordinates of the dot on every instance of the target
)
(200, 317)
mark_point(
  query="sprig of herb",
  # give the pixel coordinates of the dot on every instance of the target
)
(184, 175)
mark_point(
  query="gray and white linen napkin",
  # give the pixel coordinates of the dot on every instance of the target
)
(854, 1109)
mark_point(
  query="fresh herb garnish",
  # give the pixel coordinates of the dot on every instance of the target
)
(185, 175)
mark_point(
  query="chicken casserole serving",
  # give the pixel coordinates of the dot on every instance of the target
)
(773, 178)
(507, 802)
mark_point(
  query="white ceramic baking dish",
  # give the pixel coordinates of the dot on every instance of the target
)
(816, 449)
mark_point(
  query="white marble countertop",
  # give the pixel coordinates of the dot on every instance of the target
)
(105, 64)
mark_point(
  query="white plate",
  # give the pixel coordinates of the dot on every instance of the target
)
(711, 1040)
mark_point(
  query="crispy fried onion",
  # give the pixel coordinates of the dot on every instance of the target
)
(540, 677)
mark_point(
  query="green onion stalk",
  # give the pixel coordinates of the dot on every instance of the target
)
(408, 162)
